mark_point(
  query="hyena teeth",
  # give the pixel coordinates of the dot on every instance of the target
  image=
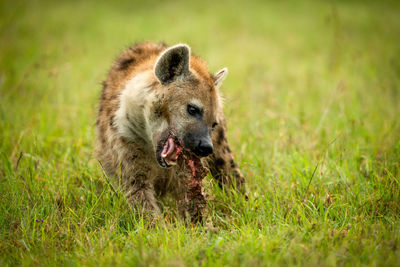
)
(169, 149)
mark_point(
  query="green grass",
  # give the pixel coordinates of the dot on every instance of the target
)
(313, 107)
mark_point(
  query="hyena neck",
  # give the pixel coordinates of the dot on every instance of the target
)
(135, 106)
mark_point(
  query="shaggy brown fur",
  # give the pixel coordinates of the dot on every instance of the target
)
(144, 105)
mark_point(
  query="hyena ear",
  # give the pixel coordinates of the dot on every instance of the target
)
(219, 77)
(173, 63)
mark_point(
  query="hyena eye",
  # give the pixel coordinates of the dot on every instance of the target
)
(214, 125)
(194, 111)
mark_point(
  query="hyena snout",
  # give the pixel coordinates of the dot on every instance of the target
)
(204, 147)
(201, 146)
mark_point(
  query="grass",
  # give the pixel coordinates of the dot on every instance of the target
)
(312, 101)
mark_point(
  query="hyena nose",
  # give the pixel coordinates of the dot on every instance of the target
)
(204, 148)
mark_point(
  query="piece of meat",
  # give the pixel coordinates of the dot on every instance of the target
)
(194, 172)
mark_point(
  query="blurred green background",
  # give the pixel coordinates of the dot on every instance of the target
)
(312, 101)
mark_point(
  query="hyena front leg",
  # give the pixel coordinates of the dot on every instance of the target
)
(141, 196)
(221, 163)
(139, 190)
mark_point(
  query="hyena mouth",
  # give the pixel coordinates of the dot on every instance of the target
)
(171, 150)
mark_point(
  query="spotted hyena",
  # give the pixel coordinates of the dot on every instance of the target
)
(161, 127)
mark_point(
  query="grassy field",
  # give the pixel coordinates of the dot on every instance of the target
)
(313, 107)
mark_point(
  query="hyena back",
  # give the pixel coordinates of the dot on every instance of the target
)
(159, 104)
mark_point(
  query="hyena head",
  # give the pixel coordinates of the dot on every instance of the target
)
(186, 108)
